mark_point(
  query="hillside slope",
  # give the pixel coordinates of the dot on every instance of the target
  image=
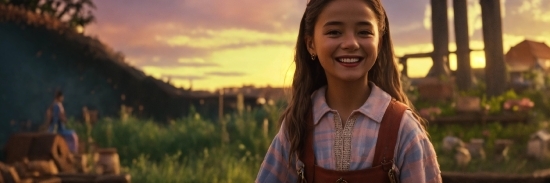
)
(39, 55)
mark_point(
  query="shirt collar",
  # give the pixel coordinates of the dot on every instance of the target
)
(374, 107)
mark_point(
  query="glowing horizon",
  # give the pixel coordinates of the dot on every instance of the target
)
(225, 45)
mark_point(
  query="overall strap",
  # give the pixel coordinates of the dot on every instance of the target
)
(308, 154)
(387, 135)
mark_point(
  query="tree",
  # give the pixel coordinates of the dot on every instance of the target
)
(74, 12)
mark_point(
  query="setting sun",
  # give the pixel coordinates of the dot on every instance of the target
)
(236, 49)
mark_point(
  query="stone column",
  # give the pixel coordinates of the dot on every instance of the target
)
(495, 68)
(440, 38)
(463, 70)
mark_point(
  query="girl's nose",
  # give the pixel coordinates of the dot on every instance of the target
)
(350, 43)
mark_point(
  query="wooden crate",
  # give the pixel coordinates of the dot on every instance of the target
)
(468, 104)
(433, 89)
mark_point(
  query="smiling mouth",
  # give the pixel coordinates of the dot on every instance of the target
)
(349, 60)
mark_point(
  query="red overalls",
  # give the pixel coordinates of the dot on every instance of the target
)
(382, 167)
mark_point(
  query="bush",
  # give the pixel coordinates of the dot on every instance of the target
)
(189, 149)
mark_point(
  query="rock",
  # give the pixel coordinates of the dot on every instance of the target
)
(475, 147)
(450, 142)
(462, 156)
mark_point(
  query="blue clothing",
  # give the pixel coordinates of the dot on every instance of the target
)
(56, 124)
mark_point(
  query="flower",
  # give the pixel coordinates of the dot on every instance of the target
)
(430, 112)
(523, 104)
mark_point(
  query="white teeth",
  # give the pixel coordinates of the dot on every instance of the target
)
(348, 60)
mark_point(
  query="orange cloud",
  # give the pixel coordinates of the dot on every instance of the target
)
(211, 39)
(219, 43)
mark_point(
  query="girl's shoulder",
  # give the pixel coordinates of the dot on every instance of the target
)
(411, 127)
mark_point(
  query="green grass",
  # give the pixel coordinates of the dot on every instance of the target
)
(192, 150)
(214, 165)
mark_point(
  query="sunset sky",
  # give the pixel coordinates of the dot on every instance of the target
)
(221, 43)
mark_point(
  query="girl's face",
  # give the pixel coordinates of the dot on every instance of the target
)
(345, 39)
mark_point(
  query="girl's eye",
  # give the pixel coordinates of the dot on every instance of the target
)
(365, 33)
(333, 33)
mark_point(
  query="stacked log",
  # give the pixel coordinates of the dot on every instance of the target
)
(52, 147)
(22, 147)
(46, 158)
(42, 167)
(29, 172)
(46, 180)
(9, 174)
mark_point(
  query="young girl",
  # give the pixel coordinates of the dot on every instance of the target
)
(347, 119)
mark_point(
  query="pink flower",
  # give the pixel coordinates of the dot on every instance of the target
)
(486, 133)
(507, 105)
(523, 104)
(430, 112)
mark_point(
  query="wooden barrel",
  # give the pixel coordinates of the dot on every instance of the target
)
(107, 160)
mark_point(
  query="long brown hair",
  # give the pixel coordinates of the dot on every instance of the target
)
(310, 76)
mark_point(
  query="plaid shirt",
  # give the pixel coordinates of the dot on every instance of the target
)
(415, 158)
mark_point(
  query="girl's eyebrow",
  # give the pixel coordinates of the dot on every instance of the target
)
(367, 23)
(329, 23)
